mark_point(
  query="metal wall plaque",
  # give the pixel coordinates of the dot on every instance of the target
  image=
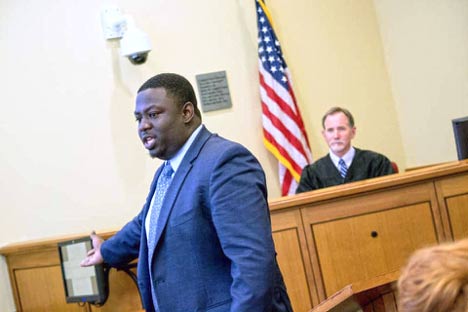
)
(214, 91)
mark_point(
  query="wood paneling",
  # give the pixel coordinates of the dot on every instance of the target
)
(293, 259)
(40, 289)
(325, 239)
(36, 277)
(339, 232)
(453, 199)
(361, 247)
(458, 215)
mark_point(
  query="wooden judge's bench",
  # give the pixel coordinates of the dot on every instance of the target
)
(344, 243)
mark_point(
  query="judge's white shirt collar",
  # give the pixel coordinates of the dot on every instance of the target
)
(348, 157)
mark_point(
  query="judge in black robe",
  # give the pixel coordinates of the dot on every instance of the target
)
(354, 164)
(323, 173)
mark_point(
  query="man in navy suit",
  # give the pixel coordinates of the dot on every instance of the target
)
(208, 246)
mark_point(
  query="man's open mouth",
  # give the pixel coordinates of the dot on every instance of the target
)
(149, 142)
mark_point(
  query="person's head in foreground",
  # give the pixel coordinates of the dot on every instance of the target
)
(435, 279)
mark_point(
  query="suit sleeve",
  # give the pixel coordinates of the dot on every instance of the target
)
(124, 246)
(240, 214)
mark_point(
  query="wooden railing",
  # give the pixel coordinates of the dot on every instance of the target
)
(325, 239)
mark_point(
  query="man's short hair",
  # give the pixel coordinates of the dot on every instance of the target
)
(176, 86)
(335, 110)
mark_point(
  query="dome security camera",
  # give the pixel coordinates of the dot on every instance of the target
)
(135, 45)
(138, 58)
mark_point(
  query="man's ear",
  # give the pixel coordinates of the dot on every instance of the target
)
(188, 111)
(353, 131)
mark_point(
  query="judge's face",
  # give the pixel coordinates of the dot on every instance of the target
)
(338, 133)
(161, 122)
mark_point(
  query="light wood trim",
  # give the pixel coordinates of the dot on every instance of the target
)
(443, 210)
(381, 280)
(458, 214)
(359, 187)
(364, 204)
(295, 271)
(347, 252)
(36, 254)
(372, 202)
(335, 299)
(453, 186)
(364, 292)
(449, 191)
(293, 201)
(35, 297)
(47, 243)
(431, 186)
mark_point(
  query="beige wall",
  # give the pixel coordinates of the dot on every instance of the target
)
(70, 159)
(426, 49)
(335, 54)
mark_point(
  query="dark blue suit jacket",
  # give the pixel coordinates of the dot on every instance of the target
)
(214, 249)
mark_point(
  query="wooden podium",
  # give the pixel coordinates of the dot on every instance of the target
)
(376, 295)
(338, 236)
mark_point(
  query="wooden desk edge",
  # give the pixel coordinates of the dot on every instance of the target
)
(48, 243)
(316, 196)
(359, 187)
(381, 284)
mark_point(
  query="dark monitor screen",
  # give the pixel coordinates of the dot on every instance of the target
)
(82, 284)
(460, 130)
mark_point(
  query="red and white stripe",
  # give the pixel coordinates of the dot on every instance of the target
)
(283, 130)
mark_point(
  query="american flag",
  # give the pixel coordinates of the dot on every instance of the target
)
(283, 130)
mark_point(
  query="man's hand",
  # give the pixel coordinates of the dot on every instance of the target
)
(94, 255)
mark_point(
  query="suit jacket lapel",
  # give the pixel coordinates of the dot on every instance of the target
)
(179, 178)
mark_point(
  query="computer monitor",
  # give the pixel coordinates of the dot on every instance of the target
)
(82, 284)
(460, 130)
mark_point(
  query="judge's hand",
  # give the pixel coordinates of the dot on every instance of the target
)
(94, 255)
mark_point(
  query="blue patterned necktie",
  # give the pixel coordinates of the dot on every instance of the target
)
(163, 183)
(343, 168)
(164, 180)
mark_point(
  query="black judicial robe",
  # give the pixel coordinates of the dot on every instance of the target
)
(323, 173)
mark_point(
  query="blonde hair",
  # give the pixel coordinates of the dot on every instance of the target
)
(435, 279)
